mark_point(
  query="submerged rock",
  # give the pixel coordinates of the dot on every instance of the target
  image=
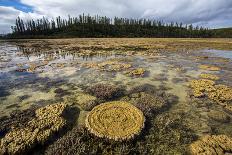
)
(209, 145)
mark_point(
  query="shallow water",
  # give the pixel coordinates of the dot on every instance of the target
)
(220, 53)
(169, 72)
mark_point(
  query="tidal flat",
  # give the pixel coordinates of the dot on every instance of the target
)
(116, 96)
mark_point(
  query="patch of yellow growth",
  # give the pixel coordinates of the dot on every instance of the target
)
(209, 68)
(136, 72)
(109, 65)
(222, 94)
(117, 120)
(200, 87)
(209, 76)
(48, 120)
(210, 145)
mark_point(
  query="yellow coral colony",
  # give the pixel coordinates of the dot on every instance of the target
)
(48, 121)
(209, 68)
(115, 120)
(210, 145)
(200, 87)
(222, 94)
(209, 76)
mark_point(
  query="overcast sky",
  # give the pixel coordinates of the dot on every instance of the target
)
(209, 13)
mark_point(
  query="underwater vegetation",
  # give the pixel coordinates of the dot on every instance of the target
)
(147, 103)
(115, 120)
(47, 122)
(16, 119)
(208, 145)
(105, 91)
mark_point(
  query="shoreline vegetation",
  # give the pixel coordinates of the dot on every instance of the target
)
(86, 26)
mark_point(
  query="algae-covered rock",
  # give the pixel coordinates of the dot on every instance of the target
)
(210, 145)
(105, 91)
(115, 120)
(47, 122)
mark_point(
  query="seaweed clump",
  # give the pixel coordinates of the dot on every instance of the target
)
(80, 141)
(16, 119)
(115, 120)
(147, 103)
(105, 91)
(47, 122)
(220, 144)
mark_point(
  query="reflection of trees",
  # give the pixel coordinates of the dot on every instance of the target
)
(63, 54)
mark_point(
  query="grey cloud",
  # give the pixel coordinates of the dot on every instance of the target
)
(210, 13)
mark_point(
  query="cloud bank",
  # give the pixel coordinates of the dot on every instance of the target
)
(210, 13)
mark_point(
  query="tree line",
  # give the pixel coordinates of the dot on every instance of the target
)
(102, 26)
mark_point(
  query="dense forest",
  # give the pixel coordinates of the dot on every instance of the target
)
(99, 26)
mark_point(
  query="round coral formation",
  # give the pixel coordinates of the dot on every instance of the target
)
(209, 145)
(115, 120)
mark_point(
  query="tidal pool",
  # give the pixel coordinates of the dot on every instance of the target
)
(37, 73)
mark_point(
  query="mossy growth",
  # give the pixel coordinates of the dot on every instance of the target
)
(209, 76)
(47, 122)
(115, 120)
(209, 145)
(209, 68)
